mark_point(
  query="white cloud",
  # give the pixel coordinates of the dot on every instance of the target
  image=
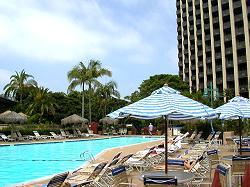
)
(55, 36)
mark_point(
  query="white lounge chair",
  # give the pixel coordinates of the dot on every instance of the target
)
(39, 137)
(5, 138)
(55, 136)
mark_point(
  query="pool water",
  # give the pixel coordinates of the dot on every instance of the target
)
(26, 162)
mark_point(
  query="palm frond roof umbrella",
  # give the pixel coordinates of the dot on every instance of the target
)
(74, 119)
(236, 108)
(109, 121)
(168, 103)
(12, 117)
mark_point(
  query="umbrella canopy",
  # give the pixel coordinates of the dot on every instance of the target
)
(238, 107)
(165, 102)
(12, 117)
(169, 103)
(74, 119)
(109, 121)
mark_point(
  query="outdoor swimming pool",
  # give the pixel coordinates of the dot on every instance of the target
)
(26, 162)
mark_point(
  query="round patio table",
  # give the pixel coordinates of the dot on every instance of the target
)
(182, 177)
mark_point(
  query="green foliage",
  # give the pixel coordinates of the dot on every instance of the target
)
(82, 75)
(157, 81)
(42, 103)
(203, 126)
(18, 86)
(28, 129)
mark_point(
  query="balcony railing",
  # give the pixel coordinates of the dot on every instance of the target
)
(228, 50)
(217, 44)
(244, 88)
(238, 18)
(226, 13)
(241, 45)
(209, 60)
(215, 9)
(230, 78)
(239, 31)
(224, 1)
(208, 37)
(227, 38)
(230, 64)
(218, 56)
(242, 74)
(209, 71)
(227, 25)
(219, 81)
(237, 4)
(207, 26)
(205, 15)
(218, 68)
(241, 60)
(217, 31)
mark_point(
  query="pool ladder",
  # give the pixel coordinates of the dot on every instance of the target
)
(87, 156)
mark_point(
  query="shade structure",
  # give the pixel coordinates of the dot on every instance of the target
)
(168, 103)
(165, 102)
(12, 117)
(109, 121)
(74, 119)
(236, 108)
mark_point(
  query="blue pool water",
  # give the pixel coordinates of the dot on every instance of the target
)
(26, 162)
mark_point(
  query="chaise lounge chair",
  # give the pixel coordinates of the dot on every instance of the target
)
(39, 137)
(81, 177)
(55, 136)
(5, 138)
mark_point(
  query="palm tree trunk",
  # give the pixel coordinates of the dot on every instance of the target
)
(105, 103)
(83, 100)
(89, 103)
(21, 101)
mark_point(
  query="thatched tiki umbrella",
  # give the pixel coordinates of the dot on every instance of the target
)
(109, 121)
(12, 117)
(74, 119)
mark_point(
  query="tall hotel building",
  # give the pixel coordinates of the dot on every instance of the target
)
(213, 44)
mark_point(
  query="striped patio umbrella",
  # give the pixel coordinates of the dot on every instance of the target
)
(165, 102)
(168, 103)
(236, 108)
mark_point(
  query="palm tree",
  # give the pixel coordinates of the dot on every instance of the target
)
(78, 77)
(95, 71)
(42, 102)
(18, 83)
(106, 91)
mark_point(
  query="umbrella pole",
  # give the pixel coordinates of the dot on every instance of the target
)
(166, 144)
(240, 133)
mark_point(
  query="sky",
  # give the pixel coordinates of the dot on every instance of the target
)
(135, 39)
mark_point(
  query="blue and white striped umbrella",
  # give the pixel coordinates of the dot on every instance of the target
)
(235, 108)
(165, 102)
(169, 103)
